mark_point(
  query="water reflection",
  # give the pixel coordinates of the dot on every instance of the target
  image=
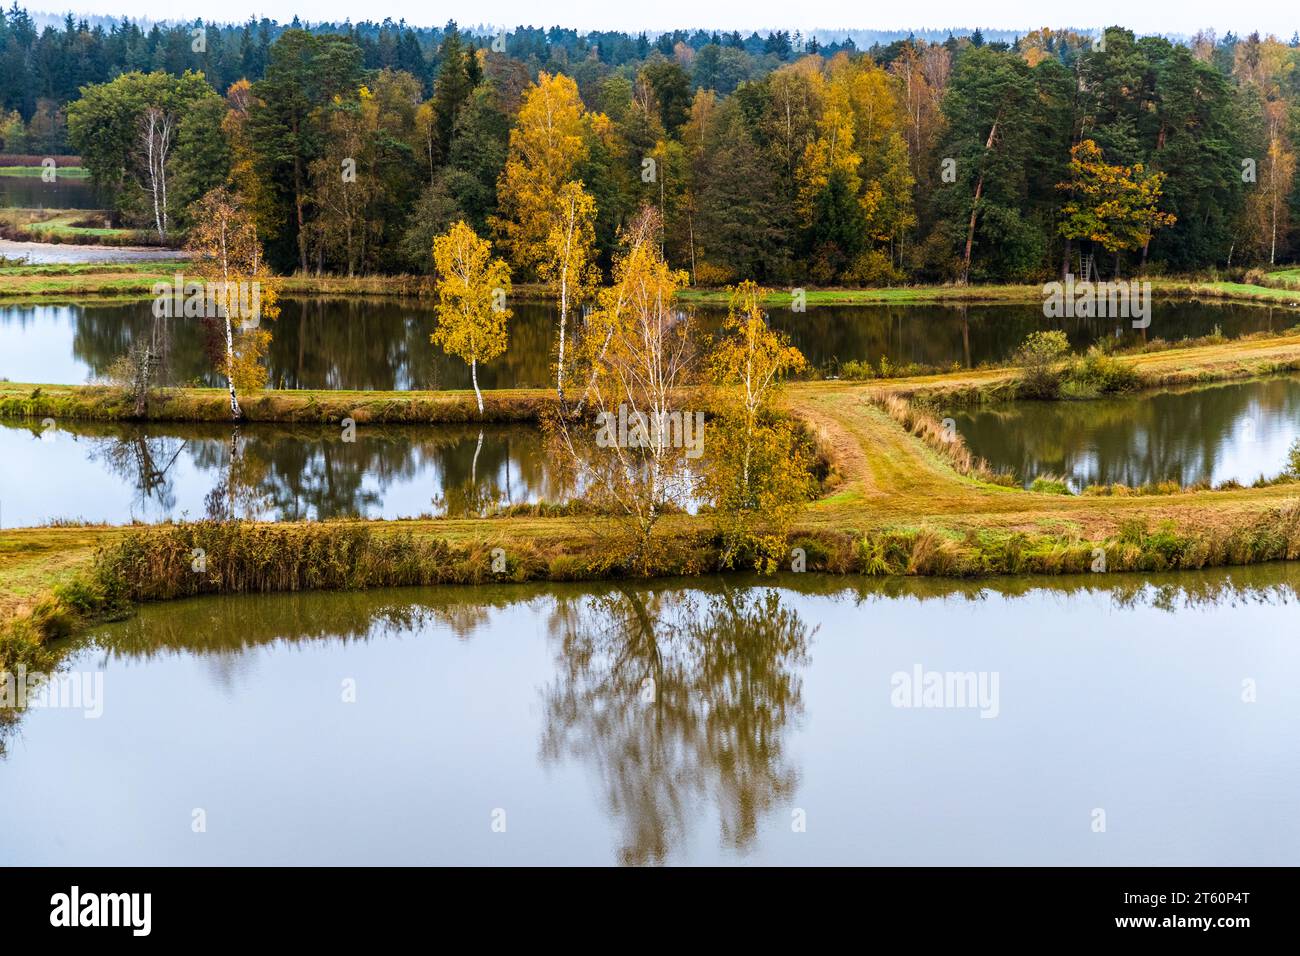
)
(674, 697)
(1239, 431)
(379, 343)
(33, 192)
(967, 336)
(683, 722)
(376, 344)
(120, 473)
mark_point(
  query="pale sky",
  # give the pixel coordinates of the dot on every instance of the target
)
(1153, 16)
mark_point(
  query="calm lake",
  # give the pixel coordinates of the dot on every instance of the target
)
(384, 343)
(118, 473)
(1110, 720)
(32, 192)
(1235, 431)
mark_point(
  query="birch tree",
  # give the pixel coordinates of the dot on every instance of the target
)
(758, 471)
(227, 256)
(472, 290)
(157, 136)
(632, 450)
(569, 268)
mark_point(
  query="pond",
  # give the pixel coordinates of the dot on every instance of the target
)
(67, 253)
(378, 343)
(121, 473)
(1238, 431)
(1101, 720)
(33, 192)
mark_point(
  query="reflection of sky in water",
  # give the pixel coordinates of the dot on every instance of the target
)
(1134, 710)
(40, 350)
(64, 474)
(1236, 431)
(99, 472)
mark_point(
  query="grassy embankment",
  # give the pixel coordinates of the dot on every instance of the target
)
(898, 506)
(35, 172)
(61, 282)
(1163, 288)
(33, 282)
(76, 226)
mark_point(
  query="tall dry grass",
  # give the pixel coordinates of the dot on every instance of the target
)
(921, 423)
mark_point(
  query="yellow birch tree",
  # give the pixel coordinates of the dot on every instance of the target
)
(569, 264)
(546, 145)
(227, 255)
(759, 471)
(472, 290)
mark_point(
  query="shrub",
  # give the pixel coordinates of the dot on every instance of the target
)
(857, 370)
(1098, 373)
(1050, 485)
(873, 268)
(1039, 357)
(708, 275)
(1292, 469)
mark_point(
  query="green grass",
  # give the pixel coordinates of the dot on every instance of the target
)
(153, 269)
(317, 406)
(63, 225)
(1010, 293)
(1049, 485)
(63, 172)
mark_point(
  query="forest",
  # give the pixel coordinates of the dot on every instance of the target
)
(769, 158)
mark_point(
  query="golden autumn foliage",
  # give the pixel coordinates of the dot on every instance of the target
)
(255, 194)
(568, 265)
(759, 470)
(227, 256)
(472, 290)
(546, 145)
(1116, 206)
(751, 359)
(1265, 68)
(857, 113)
(638, 355)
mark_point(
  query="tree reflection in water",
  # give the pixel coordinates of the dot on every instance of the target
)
(299, 473)
(144, 463)
(675, 698)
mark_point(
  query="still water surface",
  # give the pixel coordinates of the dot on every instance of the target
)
(380, 343)
(33, 192)
(1237, 431)
(118, 473)
(688, 722)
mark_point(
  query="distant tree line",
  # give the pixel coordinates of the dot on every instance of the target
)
(767, 158)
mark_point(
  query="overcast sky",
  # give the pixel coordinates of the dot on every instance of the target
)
(1143, 16)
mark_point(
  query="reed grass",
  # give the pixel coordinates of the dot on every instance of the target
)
(159, 563)
(110, 403)
(919, 422)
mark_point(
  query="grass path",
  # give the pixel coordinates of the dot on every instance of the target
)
(892, 480)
